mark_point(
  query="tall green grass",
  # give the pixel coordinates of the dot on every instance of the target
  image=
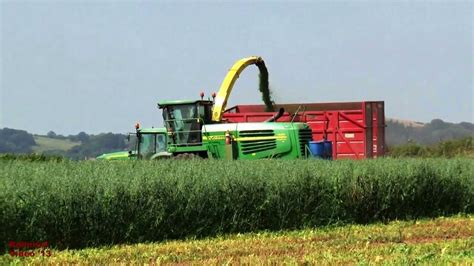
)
(78, 204)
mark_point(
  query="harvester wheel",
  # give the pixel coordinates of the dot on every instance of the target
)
(161, 156)
(187, 156)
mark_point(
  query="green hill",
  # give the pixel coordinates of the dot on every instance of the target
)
(401, 132)
(44, 144)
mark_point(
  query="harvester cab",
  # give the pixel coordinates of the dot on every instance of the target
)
(184, 121)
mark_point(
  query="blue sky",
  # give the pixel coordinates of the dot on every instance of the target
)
(100, 66)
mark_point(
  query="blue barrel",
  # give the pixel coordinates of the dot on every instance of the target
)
(317, 148)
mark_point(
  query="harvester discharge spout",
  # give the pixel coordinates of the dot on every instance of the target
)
(229, 81)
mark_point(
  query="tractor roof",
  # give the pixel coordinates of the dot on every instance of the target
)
(181, 102)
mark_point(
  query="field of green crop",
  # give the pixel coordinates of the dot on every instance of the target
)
(90, 203)
(440, 241)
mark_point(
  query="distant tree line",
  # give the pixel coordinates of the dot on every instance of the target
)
(82, 136)
(446, 149)
(16, 141)
(96, 145)
(91, 145)
(431, 133)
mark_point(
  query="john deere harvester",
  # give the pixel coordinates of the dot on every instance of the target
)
(195, 127)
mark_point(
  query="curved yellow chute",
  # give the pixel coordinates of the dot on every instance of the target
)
(228, 83)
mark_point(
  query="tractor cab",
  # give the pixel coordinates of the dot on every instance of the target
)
(184, 120)
(150, 142)
(144, 143)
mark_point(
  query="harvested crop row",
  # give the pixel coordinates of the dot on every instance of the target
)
(439, 241)
(78, 204)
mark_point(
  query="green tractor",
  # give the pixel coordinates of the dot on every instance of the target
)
(193, 133)
(147, 143)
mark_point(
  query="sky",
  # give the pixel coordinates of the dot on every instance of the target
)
(102, 66)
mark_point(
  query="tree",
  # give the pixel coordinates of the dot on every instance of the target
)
(51, 134)
(16, 141)
(82, 136)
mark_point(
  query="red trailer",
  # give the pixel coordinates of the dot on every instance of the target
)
(356, 129)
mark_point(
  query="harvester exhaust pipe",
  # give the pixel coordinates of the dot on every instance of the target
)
(274, 118)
